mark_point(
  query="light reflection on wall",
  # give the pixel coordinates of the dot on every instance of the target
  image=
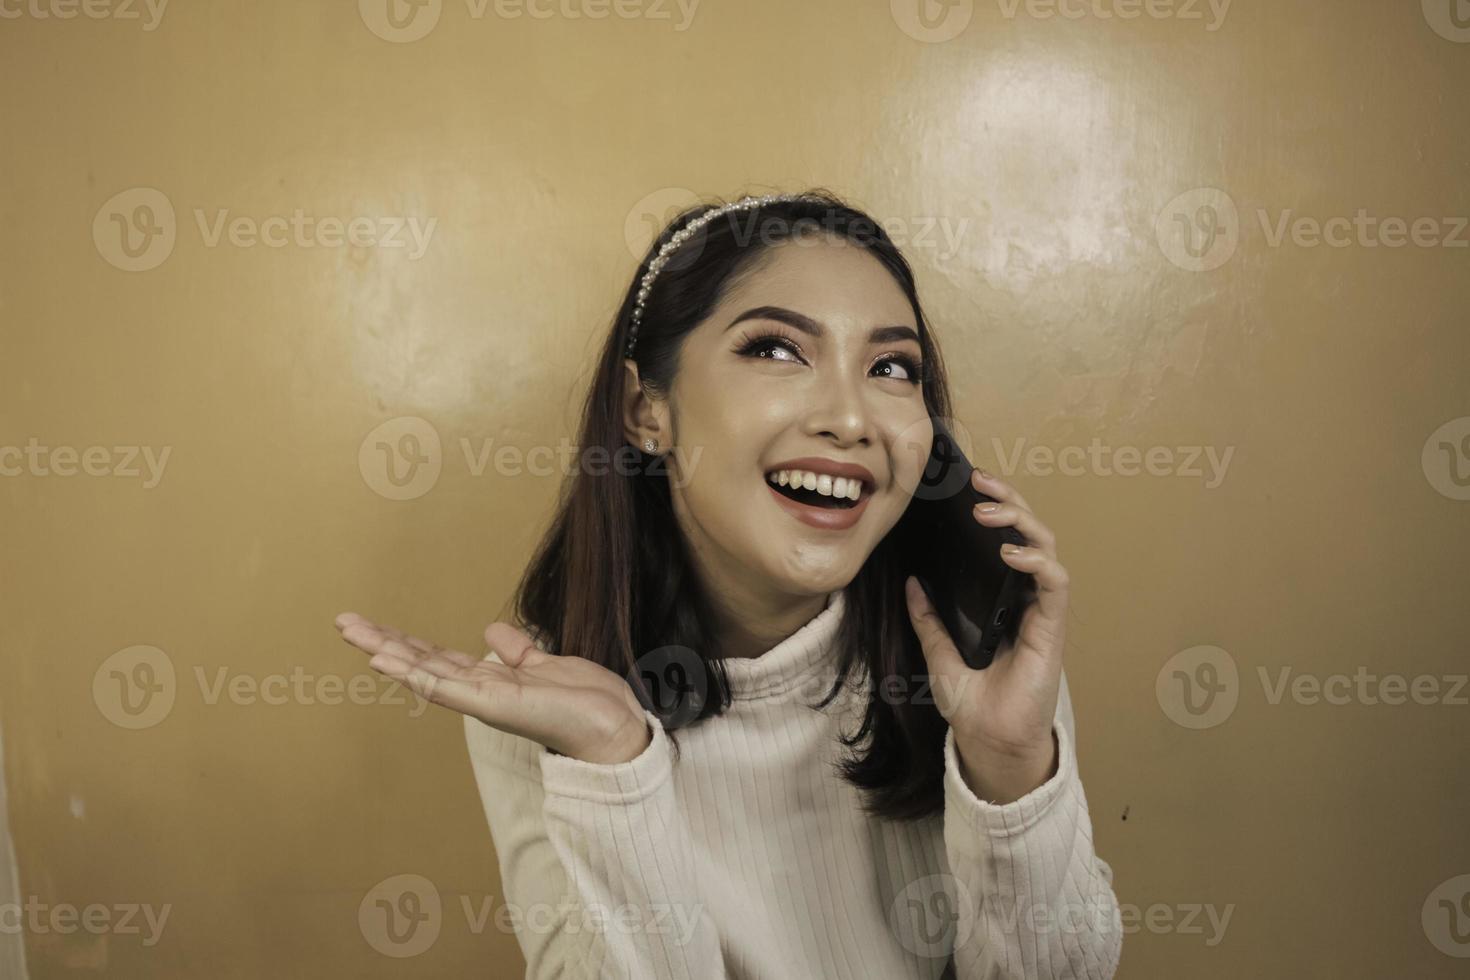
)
(1046, 140)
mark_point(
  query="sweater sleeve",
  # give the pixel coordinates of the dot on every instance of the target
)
(1034, 899)
(596, 864)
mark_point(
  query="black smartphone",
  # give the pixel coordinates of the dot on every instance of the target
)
(957, 560)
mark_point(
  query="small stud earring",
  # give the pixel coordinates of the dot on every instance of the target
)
(649, 446)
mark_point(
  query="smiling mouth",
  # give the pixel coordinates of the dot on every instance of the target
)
(817, 489)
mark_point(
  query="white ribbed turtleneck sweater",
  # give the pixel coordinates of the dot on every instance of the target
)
(750, 858)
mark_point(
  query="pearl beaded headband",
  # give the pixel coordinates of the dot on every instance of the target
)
(683, 235)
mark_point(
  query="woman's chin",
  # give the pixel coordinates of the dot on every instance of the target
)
(812, 578)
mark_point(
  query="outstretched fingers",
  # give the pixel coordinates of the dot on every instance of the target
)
(430, 649)
(387, 645)
(477, 698)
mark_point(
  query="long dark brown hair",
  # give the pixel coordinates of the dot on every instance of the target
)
(612, 579)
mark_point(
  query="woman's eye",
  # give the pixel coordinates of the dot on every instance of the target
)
(899, 368)
(773, 348)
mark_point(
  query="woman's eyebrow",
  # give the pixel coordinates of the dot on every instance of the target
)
(804, 323)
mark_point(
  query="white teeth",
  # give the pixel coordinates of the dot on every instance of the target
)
(826, 485)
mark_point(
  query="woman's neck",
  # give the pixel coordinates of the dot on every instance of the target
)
(748, 623)
(750, 617)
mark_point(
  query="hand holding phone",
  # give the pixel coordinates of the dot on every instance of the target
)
(978, 597)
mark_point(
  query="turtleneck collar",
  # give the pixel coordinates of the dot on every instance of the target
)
(781, 668)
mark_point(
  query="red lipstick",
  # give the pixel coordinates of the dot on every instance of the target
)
(834, 518)
(825, 518)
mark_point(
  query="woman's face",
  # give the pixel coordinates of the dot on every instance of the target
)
(810, 365)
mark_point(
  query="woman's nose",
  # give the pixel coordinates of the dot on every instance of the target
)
(839, 413)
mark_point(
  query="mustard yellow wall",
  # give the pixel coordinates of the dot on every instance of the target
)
(1103, 212)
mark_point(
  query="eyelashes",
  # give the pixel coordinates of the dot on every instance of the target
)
(757, 345)
(908, 364)
(778, 347)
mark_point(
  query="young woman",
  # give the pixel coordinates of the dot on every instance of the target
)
(728, 739)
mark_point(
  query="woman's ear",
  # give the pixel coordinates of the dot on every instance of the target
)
(644, 417)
